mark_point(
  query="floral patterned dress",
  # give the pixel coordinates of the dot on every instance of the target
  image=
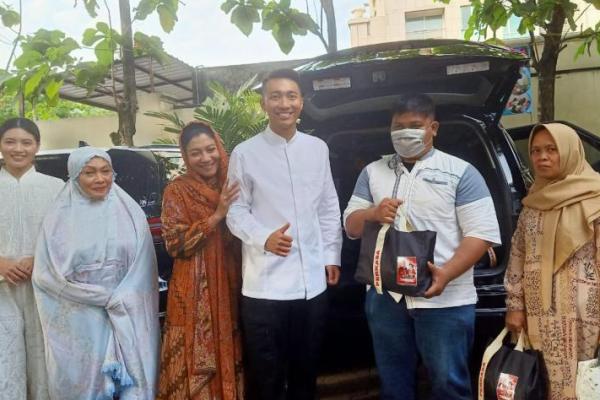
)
(569, 332)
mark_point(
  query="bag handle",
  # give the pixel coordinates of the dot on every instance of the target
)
(378, 253)
(404, 224)
(487, 356)
(492, 349)
(377, 280)
(523, 342)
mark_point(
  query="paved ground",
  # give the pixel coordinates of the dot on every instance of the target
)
(361, 384)
(354, 385)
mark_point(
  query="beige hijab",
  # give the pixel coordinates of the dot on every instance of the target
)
(570, 204)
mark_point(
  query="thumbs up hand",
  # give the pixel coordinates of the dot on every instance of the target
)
(278, 242)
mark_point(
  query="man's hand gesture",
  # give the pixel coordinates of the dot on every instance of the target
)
(278, 242)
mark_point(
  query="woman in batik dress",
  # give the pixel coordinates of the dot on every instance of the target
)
(553, 276)
(201, 353)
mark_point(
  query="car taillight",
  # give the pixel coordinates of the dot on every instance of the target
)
(155, 228)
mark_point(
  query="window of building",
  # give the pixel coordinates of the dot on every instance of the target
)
(511, 30)
(424, 25)
(373, 8)
(465, 14)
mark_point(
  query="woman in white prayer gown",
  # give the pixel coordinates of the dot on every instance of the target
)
(95, 281)
(25, 196)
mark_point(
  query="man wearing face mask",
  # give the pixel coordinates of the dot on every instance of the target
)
(437, 192)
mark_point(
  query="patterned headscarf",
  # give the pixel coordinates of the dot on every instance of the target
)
(198, 182)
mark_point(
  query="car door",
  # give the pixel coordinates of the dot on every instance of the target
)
(591, 143)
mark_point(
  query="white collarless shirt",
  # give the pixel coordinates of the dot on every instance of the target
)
(285, 181)
(24, 205)
(441, 193)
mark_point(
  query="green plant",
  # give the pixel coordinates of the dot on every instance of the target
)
(174, 124)
(40, 69)
(284, 21)
(236, 115)
(47, 59)
(43, 111)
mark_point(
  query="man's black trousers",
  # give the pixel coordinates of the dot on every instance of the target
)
(282, 342)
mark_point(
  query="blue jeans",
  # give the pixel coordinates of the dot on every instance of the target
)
(442, 337)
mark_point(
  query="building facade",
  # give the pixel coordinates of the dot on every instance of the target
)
(577, 80)
(390, 20)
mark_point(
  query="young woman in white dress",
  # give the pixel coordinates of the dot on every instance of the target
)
(25, 196)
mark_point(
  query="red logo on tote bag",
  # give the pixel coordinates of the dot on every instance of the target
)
(406, 271)
(507, 385)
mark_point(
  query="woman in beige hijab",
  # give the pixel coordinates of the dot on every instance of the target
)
(553, 276)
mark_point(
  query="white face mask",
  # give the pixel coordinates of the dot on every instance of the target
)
(409, 143)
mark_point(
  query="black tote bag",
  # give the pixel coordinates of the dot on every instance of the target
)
(512, 372)
(395, 260)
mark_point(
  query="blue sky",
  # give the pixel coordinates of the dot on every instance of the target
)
(202, 36)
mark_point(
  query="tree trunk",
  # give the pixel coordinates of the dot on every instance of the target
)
(127, 108)
(21, 101)
(331, 25)
(546, 67)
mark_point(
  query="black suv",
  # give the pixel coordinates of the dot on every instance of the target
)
(347, 98)
(143, 173)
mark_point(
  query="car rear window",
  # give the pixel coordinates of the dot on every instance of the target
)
(53, 165)
(171, 164)
(521, 138)
(138, 173)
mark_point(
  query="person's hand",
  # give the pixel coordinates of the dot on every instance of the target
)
(13, 272)
(515, 321)
(26, 264)
(333, 274)
(439, 280)
(278, 242)
(385, 212)
(229, 194)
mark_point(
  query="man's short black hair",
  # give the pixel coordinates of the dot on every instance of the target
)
(417, 103)
(283, 73)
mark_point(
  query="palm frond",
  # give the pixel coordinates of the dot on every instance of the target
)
(236, 115)
(164, 140)
(174, 123)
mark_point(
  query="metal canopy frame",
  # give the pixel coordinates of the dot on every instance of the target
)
(174, 80)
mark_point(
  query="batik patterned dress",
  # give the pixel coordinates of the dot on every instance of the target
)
(569, 332)
(201, 353)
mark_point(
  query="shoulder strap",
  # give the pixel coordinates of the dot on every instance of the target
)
(404, 221)
(378, 252)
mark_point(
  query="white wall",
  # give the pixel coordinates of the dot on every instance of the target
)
(66, 133)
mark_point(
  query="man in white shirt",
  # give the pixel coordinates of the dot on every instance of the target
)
(288, 218)
(441, 193)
